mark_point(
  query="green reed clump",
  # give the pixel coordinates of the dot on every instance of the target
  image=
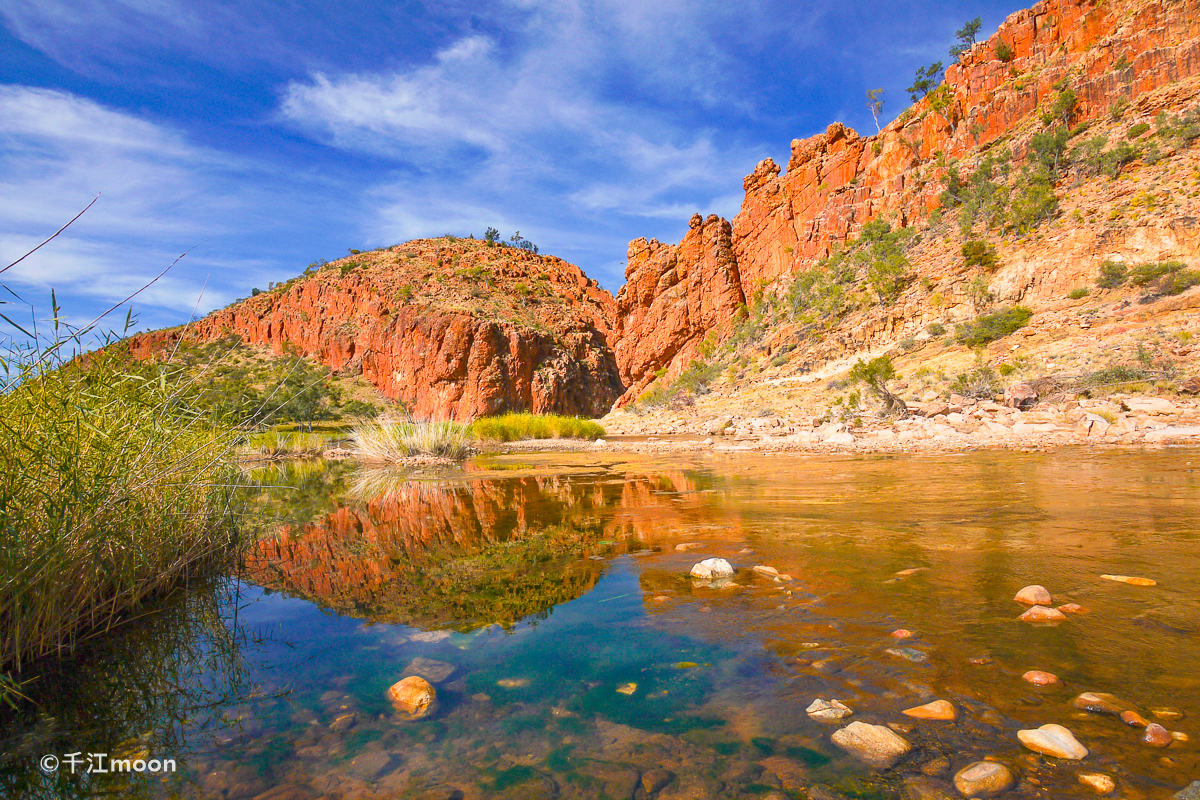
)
(392, 441)
(112, 492)
(511, 427)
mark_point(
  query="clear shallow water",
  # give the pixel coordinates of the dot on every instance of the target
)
(547, 582)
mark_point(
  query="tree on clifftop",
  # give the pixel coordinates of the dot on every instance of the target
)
(926, 81)
(966, 37)
(875, 104)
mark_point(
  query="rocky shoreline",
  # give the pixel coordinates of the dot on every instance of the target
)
(936, 426)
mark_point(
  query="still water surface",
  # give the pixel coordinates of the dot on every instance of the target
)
(539, 585)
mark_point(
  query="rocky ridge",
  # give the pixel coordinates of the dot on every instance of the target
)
(448, 327)
(1137, 54)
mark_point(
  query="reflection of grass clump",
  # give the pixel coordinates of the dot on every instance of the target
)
(274, 444)
(511, 427)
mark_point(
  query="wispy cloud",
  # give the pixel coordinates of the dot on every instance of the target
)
(160, 196)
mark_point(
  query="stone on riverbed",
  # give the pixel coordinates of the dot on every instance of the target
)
(872, 744)
(1042, 614)
(1101, 703)
(655, 780)
(1166, 712)
(413, 697)
(711, 568)
(922, 787)
(1039, 678)
(1133, 719)
(938, 710)
(1053, 740)
(829, 710)
(908, 654)
(433, 671)
(1073, 608)
(1156, 735)
(1098, 782)
(1132, 581)
(765, 570)
(1189, 792)
(1034, 595)
(983, 779)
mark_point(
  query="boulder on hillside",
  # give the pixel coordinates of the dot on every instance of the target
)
(1020, 396)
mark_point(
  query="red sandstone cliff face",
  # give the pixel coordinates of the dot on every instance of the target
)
(838, 180)
(452, 329)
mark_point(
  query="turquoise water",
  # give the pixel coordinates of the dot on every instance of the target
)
(546, 583)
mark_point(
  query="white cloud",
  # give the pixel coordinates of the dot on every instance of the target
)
(160, 195)
(570, 132)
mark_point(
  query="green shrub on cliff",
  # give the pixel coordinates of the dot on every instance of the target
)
(996, 325)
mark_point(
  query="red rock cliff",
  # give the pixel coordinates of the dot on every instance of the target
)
(1108, 51)
(451, 328)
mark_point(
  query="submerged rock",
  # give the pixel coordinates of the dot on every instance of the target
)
(922, 787)
(711, 568)
(902, 633)
(1039, 678)
(433, 671)
(1053, 740)
(413, 696)
(1042, 614)
(938, 710)
(1189, 792)
(1099, 782)
(655, 780)
(908, 654)
(1133, 719)
(1073, 608)
(1132, 581)
(829, 710)
(1101, 703)
(1156, 735)
(873, 744)
(983, 779)
(1034, 595)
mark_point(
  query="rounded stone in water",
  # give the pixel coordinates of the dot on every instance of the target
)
(983, 779)
(712, 568)
(413, 697)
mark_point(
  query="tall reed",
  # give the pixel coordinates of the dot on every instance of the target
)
(111, 492)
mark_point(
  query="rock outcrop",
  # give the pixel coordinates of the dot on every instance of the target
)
(449, 328)
(1138, 53)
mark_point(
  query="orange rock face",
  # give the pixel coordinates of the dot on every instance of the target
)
(674, 295)
(838, 180)
(451, 329)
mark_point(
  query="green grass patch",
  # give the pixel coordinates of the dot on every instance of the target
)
(516, 426)
(996, 325)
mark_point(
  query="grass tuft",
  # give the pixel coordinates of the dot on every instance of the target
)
(511, 427)
(392, 441)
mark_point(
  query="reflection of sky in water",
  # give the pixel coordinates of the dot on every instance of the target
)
(722, 676)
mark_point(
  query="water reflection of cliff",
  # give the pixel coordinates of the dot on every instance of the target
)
(460, 553)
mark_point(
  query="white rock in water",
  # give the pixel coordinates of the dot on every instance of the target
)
(1053, 740)
(829, 709)
(874, 744)
(711, 568)
(1034, 595)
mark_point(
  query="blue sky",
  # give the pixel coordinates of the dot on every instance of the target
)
(260, 136)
